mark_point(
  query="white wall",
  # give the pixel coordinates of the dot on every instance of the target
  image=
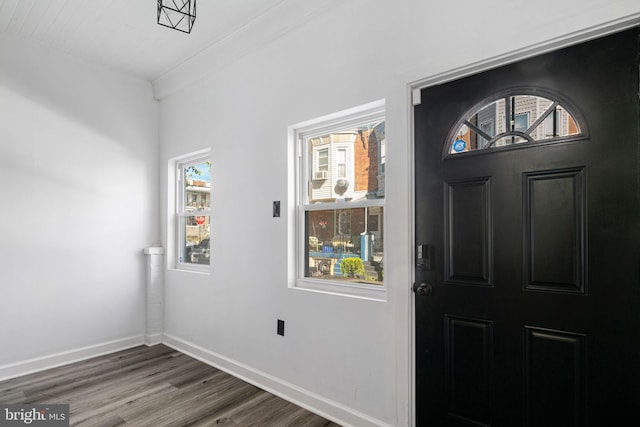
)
(79, 193)
(353, 354)
(79, 202)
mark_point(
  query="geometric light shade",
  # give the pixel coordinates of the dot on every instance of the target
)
(177, 14)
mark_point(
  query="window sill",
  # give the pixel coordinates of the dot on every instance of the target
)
(351, 290)
(204, 270)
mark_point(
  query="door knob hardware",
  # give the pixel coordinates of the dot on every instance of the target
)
(422, 289)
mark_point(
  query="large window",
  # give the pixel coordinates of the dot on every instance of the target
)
(340, 202)
(193, 213)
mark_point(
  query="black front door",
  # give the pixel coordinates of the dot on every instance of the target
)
(528, 231)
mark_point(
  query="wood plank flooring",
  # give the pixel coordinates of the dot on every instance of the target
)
(155, 386)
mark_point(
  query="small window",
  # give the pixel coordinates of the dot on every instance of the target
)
(193, 213)
(521, 122)
(340, 220)
(341, 163)
(514, 119)
(323, 160)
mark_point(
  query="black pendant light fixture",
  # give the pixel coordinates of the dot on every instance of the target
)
(177, 14)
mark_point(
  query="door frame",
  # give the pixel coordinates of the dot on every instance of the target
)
(412, 92)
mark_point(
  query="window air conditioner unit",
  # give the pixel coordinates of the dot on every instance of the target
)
(320, 175)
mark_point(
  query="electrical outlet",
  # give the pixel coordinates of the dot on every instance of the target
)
(280, 327)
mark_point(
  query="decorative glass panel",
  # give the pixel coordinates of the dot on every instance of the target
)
(513, 119)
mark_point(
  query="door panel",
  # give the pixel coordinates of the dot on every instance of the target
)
(469, 347)
(554, 234)
(468, 255)
(554, 360)
(533, 318)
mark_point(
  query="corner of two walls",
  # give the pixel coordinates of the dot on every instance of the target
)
(79, 190)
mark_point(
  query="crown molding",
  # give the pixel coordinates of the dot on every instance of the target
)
(264, 29)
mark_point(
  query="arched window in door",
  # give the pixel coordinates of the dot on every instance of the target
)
(515, 119)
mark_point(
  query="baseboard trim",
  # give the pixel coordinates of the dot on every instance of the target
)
(324, 407)
(31, 366)
(152, 340)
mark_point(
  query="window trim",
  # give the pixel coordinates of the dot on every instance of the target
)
(175, 232)
(301, 174)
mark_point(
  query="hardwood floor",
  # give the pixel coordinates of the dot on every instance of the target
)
(155, 386)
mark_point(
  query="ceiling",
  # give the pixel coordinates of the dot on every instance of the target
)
(123, 35)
